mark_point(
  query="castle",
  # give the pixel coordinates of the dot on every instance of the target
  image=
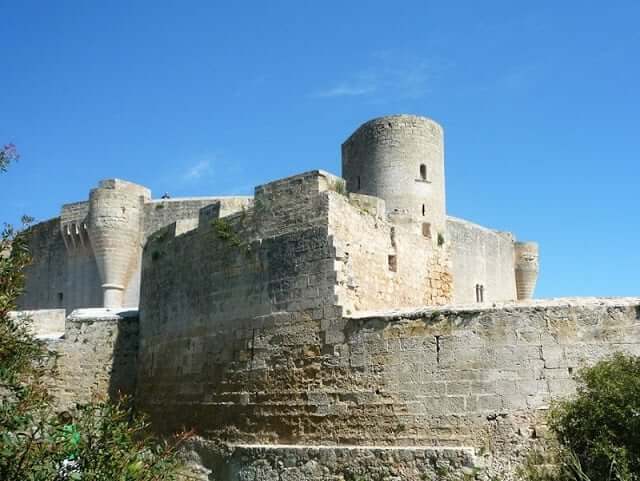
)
(327, 328)
(400, 247)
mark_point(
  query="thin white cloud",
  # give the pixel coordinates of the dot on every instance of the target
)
(197, 171)
(389, 75)
(346, 90)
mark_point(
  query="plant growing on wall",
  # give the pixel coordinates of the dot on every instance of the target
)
(224, 231)
(339, 186)
(101, 441)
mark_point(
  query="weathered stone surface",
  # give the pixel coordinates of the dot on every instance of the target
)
(331, 463)
(395, 246)
(288, 327)
(452, 376)
(43, 323)
(96, 358)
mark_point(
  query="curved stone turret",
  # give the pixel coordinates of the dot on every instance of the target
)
(115, 230)
(400, 158)
(526, 267)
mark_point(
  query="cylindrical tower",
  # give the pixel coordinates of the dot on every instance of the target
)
(400, 158)
(115, 230)
(526, 267)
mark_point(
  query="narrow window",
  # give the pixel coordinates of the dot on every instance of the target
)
(479, 293)
(426, 229)
(60, 298)
(393, 263)
(423, 210)
(423, 172)
(358, 183)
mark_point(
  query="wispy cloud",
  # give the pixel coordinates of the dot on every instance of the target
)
(198, 170)
(387, 75)
(347, 90)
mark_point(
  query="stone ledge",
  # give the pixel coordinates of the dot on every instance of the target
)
(418, 312)
(258, 462)
(103, 314)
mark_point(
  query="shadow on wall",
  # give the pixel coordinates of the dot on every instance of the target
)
(123, 375)
(98, 356)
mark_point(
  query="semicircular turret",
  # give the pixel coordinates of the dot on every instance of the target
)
(115, 229)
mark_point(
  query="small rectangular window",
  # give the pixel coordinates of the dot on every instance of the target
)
(393, 263)
(426, 229)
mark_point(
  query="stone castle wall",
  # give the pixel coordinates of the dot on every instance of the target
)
(162, 212)
(58, 277)
(380, 264)
(481, 256)
(479, 378)
(409, 393)
(96, 358)
(299, 257)
(64, 272)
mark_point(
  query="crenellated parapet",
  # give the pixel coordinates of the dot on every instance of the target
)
(386, 218)
(73, 226)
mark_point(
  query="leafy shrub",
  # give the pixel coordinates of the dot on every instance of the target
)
(598, 430)
(601, 425)
(224, 231)
(101, 441)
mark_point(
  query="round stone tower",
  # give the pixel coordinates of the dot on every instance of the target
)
(400, 158)
(115, 225)
(526, 266)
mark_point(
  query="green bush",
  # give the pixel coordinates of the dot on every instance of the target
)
(100, 441)
(601, 425)
(225, 232)
(598, 430)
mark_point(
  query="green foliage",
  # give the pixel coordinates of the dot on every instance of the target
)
(224, 231)
(17, 346)
(440, 239)
(101, 441)
(601, 425)
(554, 464)
(339, 186)
(598, 431)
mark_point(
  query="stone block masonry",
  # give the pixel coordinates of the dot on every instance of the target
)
(96, 358)
(331, 463)
(273, 324)
(473, 377)
(99, 243)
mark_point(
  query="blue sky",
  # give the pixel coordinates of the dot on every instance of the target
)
(539, 102)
